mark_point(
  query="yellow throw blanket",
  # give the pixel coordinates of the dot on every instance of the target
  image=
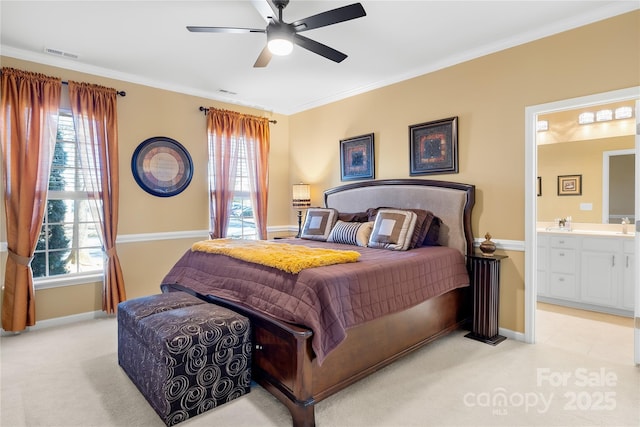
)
(283, 256)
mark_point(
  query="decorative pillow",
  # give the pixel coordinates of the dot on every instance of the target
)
(318, 223)
(393, 229)
(433, 233)
(353, 217)
(423, 223)
(351, 233)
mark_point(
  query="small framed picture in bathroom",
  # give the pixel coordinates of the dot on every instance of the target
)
(569, 185)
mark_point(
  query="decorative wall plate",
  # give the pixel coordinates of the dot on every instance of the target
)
(162, 166)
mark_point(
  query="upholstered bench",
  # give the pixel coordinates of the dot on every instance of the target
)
(186, 356)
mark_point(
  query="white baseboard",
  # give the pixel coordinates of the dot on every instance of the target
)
(516, 336)
(60, 321)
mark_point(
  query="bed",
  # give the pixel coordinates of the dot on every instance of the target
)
(300, 367)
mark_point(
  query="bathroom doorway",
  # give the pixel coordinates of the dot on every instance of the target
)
(531, 172)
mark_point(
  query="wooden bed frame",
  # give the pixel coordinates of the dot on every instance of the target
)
(283, 360)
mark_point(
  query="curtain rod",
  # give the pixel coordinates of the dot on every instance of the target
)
(205, 110)
(118, 92)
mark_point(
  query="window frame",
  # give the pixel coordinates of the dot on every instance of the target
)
(76, 197)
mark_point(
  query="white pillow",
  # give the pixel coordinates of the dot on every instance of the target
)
(351, 233)
(393, 229)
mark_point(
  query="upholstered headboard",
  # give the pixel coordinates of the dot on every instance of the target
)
(452, 202)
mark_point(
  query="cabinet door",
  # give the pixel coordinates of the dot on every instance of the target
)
(600, 279)
(543, 266)
(563, 261)
(628, 283)
(563, 286)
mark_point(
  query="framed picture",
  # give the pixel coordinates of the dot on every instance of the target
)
(539, 186)
(569, 185)
(433, 147)
(357, 158)
(162, 166)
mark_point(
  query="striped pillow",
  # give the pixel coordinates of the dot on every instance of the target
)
(351, 233)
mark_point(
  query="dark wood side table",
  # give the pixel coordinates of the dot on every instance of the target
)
(485, 279)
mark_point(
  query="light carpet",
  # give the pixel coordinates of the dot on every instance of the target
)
(69, 376)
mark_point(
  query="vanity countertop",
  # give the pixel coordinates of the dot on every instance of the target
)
(604, 233)
(587, 229)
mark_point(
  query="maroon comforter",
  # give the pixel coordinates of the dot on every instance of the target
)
(329, 299)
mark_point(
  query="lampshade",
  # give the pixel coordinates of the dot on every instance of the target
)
(301, 196)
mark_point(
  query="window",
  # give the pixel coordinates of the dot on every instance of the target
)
(69, 243)
(242, 223)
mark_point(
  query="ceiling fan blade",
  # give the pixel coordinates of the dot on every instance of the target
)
(330, 17)
(263, 58)
(319, 48)
(266, 9)
(225, 30)
(275, 10)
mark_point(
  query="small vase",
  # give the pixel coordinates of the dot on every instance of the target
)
(487, 247)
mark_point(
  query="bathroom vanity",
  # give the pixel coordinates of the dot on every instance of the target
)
(588, 269)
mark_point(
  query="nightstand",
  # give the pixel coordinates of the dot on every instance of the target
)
(485, 279)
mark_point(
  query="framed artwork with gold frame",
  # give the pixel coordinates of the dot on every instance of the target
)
(569, 185)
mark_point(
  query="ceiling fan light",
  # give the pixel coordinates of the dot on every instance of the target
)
(280, 46)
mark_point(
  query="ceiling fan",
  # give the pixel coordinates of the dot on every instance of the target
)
(281, 35)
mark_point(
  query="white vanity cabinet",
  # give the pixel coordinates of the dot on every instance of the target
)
(594, 272)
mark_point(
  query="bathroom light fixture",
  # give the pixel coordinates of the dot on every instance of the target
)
(604, 115)
(542, 125)
(586, 118)
(623, 113)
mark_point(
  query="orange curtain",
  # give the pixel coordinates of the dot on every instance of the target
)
(226, 130)
(222, 129)
(255, 131)
(29, 123)
(94, 111)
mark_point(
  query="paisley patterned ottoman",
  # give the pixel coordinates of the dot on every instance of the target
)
(186, 356)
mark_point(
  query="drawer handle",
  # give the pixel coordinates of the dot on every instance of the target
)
(561, 279)
(561, 254)
(561, 242)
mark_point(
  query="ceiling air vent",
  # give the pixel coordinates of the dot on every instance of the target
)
(58, 52)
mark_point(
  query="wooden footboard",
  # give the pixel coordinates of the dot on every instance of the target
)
(284, 363)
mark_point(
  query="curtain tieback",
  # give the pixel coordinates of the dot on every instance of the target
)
(111, 252)
(19, 259)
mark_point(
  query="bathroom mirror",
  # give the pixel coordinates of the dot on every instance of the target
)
(601, 153)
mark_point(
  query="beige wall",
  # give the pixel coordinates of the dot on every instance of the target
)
(489, 95)
(575, 158)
